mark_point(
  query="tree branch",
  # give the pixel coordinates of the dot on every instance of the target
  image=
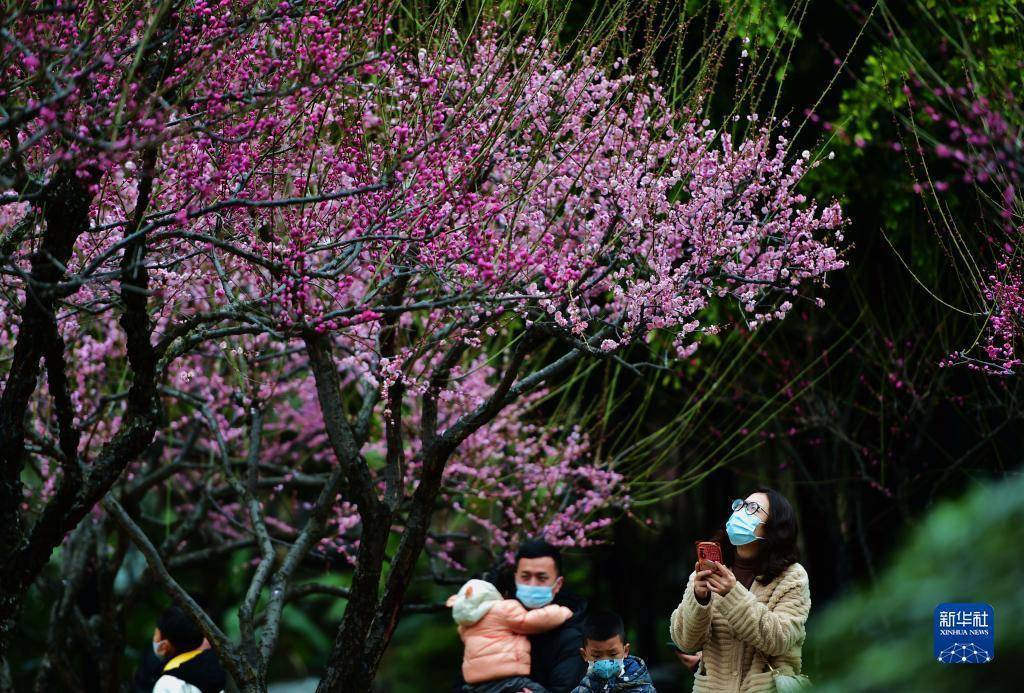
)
(213, 633)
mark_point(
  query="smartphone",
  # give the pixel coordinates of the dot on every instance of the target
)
(674, 646)
(708, 551)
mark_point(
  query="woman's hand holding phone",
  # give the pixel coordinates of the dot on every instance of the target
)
(722, 580)
(701, 588)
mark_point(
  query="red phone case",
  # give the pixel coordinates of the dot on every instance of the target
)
(709, 551)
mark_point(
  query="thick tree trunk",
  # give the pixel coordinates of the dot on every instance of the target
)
(66, 210)
(256, 684)
(348, 667)
(369, 622)
(27, 551)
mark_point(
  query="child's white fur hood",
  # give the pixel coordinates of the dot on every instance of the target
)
(473, 601)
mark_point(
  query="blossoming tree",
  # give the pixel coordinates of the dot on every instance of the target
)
(980, 142)
(343, 267)
(958, 138)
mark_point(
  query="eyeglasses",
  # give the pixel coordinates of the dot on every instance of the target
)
(751, 506)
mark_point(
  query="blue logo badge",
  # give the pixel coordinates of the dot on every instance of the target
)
(964, 633)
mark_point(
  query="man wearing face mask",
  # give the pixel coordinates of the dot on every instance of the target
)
(555, 661)
(180, 660)
(539, 581)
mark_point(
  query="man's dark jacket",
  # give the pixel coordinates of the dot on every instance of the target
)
(555, 657)
(555, 661)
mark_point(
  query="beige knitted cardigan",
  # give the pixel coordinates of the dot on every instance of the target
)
(745, 631)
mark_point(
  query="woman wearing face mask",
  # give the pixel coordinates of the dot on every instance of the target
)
(748, 613)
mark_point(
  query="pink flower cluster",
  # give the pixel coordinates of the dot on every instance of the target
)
(981, 144)
(312, 172)
(1004, 330)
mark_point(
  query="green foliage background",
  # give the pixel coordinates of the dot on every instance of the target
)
(966, 550)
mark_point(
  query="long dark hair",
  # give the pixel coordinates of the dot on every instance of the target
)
(778, 548)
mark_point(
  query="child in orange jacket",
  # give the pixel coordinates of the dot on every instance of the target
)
(494, 630)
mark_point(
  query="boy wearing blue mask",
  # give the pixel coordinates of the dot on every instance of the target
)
(610, 667)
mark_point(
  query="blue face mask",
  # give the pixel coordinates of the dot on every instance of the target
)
(740, 527)
(606, 668)
(534, 596)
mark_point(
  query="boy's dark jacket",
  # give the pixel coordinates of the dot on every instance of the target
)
(635, 679)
